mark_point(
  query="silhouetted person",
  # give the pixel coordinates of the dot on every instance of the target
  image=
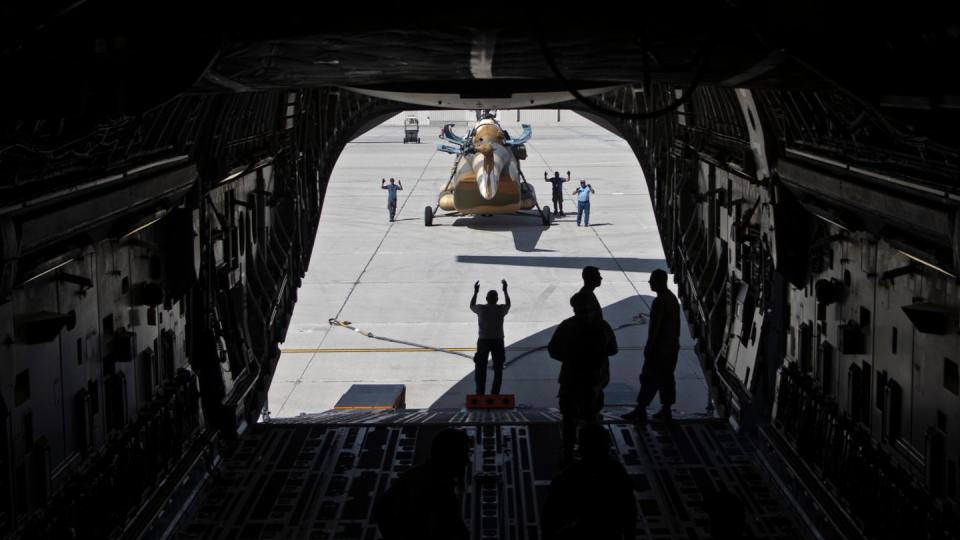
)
(423, 503)
(728, 519)
(660, 353)
(557, 182)
(592, 498)
(583, 202)
(392, 189)
(592, 280)
(583, 344)
(490, 341)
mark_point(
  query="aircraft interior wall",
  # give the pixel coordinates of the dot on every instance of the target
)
(150, 262)
(834, 341)
(95, 357)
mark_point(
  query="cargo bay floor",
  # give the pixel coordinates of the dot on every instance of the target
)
(316, 476)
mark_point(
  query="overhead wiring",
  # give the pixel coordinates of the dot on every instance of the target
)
(704, 56)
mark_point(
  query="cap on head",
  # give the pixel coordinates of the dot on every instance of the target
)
(590, 272)
(579, 302)
(658, 276)
(492, 296)
(584, 308)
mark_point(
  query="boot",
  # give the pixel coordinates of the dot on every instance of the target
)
(637, 416)
(664, 415)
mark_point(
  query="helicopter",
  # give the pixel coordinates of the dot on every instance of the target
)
(486, 177)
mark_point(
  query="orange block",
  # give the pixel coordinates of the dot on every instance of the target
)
(487, 401)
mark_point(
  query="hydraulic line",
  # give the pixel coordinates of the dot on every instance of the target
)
(349, 326)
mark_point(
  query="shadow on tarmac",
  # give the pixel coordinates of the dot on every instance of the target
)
(532, 375)
(526, 228)
(626, 264)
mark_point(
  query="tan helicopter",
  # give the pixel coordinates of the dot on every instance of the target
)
(486, 176)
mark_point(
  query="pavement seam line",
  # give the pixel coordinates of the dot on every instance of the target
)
(622, 269)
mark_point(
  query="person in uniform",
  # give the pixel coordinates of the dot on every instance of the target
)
(593, 497)
(583, 344)
(557, 182)
(583, 202)
(490, 340)
(392, 189)
(660, 353)
(422, 503)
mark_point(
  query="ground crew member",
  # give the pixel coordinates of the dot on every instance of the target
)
(557, 190)
(583, 202)
(490, 340)
(592, 498)
(422, 503)
(660, 353)
(583, 344)
(591, 280)
(392, 190)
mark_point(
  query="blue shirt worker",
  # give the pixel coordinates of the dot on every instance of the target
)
(490, 342)
(557, 182)
(583, 202)
(392, 189)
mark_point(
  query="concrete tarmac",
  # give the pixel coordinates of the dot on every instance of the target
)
(409, 282)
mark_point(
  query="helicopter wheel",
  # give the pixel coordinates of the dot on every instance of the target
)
(545, 213)
(428, 216)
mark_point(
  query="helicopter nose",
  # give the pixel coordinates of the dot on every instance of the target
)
(487, 183)
(486, 165)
